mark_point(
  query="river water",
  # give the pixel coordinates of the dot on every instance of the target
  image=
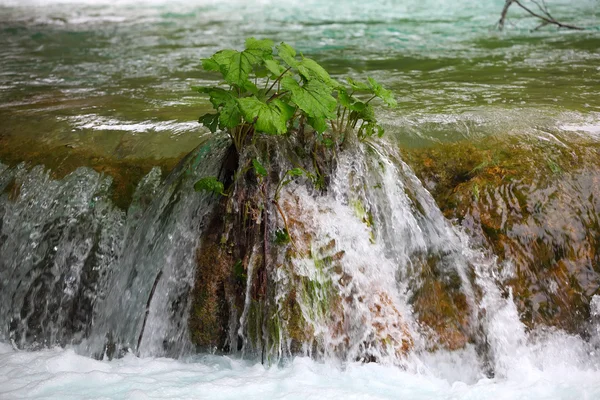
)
(110, 81)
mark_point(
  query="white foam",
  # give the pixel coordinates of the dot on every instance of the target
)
(59, 373)
(588, 128)
(96, 122)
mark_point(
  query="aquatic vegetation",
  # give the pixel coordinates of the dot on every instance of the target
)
(274, 91)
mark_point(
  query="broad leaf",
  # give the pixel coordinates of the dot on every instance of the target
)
(359, 86)
(231, 115)
(209, 184)
(211, 121)
(209, 64)
(274, 67)
(314, 98)
(318, 124)
(223, 58)
(271, 118)
(218, 96)
(250, 87)
(287, 54)
(350, 102)
(383, 94)
(262, 48)
(367, 113)
(261, 71)
(226, 103)
(310, 69)
(236, 66)
(259, 168)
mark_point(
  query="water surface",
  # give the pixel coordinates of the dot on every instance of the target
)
(114, 77)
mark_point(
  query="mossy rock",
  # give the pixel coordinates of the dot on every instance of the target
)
(535, 205)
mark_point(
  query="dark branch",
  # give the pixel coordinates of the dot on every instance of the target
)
(547, 18)
(503, 14)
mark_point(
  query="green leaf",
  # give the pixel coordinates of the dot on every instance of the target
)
(384, 94)
(314, 98)
(236, 66)
(259, 168)
(218, 96)
(282, 236)
(295, 172)
(231, 116)
(211, 121)
(271, 118)
(262, 47)
(250, 87)
(287, 54)
(318, 124)
(209, 64)
(359, 86)
(350, 102)
(367, 114)
(328, 142)
(223, 58)
(262, 72)
(226, 103)
(371, 129)
(310, 69)
(275, 67)
(209, 184)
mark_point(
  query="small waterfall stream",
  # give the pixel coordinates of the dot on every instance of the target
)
(379, 260)
(77, 270)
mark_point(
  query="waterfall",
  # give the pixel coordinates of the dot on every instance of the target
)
(75, 269)
(370, 258)
(373, 262)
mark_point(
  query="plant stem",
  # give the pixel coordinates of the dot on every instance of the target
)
(276, 95)
(368, 101)
(278, 79)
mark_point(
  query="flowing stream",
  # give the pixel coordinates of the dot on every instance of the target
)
(95, 279)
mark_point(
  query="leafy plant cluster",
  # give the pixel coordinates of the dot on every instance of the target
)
(274, 90)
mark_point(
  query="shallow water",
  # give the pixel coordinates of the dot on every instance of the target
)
(115, 76)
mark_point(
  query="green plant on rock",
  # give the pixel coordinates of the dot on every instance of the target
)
(267, 91)
(273, 90)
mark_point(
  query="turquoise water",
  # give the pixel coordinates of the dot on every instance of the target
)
(115, 76)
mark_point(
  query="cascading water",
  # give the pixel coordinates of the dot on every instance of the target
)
(83, 272)
(77, 270)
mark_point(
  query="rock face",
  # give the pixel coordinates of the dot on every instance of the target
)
(536, 206)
